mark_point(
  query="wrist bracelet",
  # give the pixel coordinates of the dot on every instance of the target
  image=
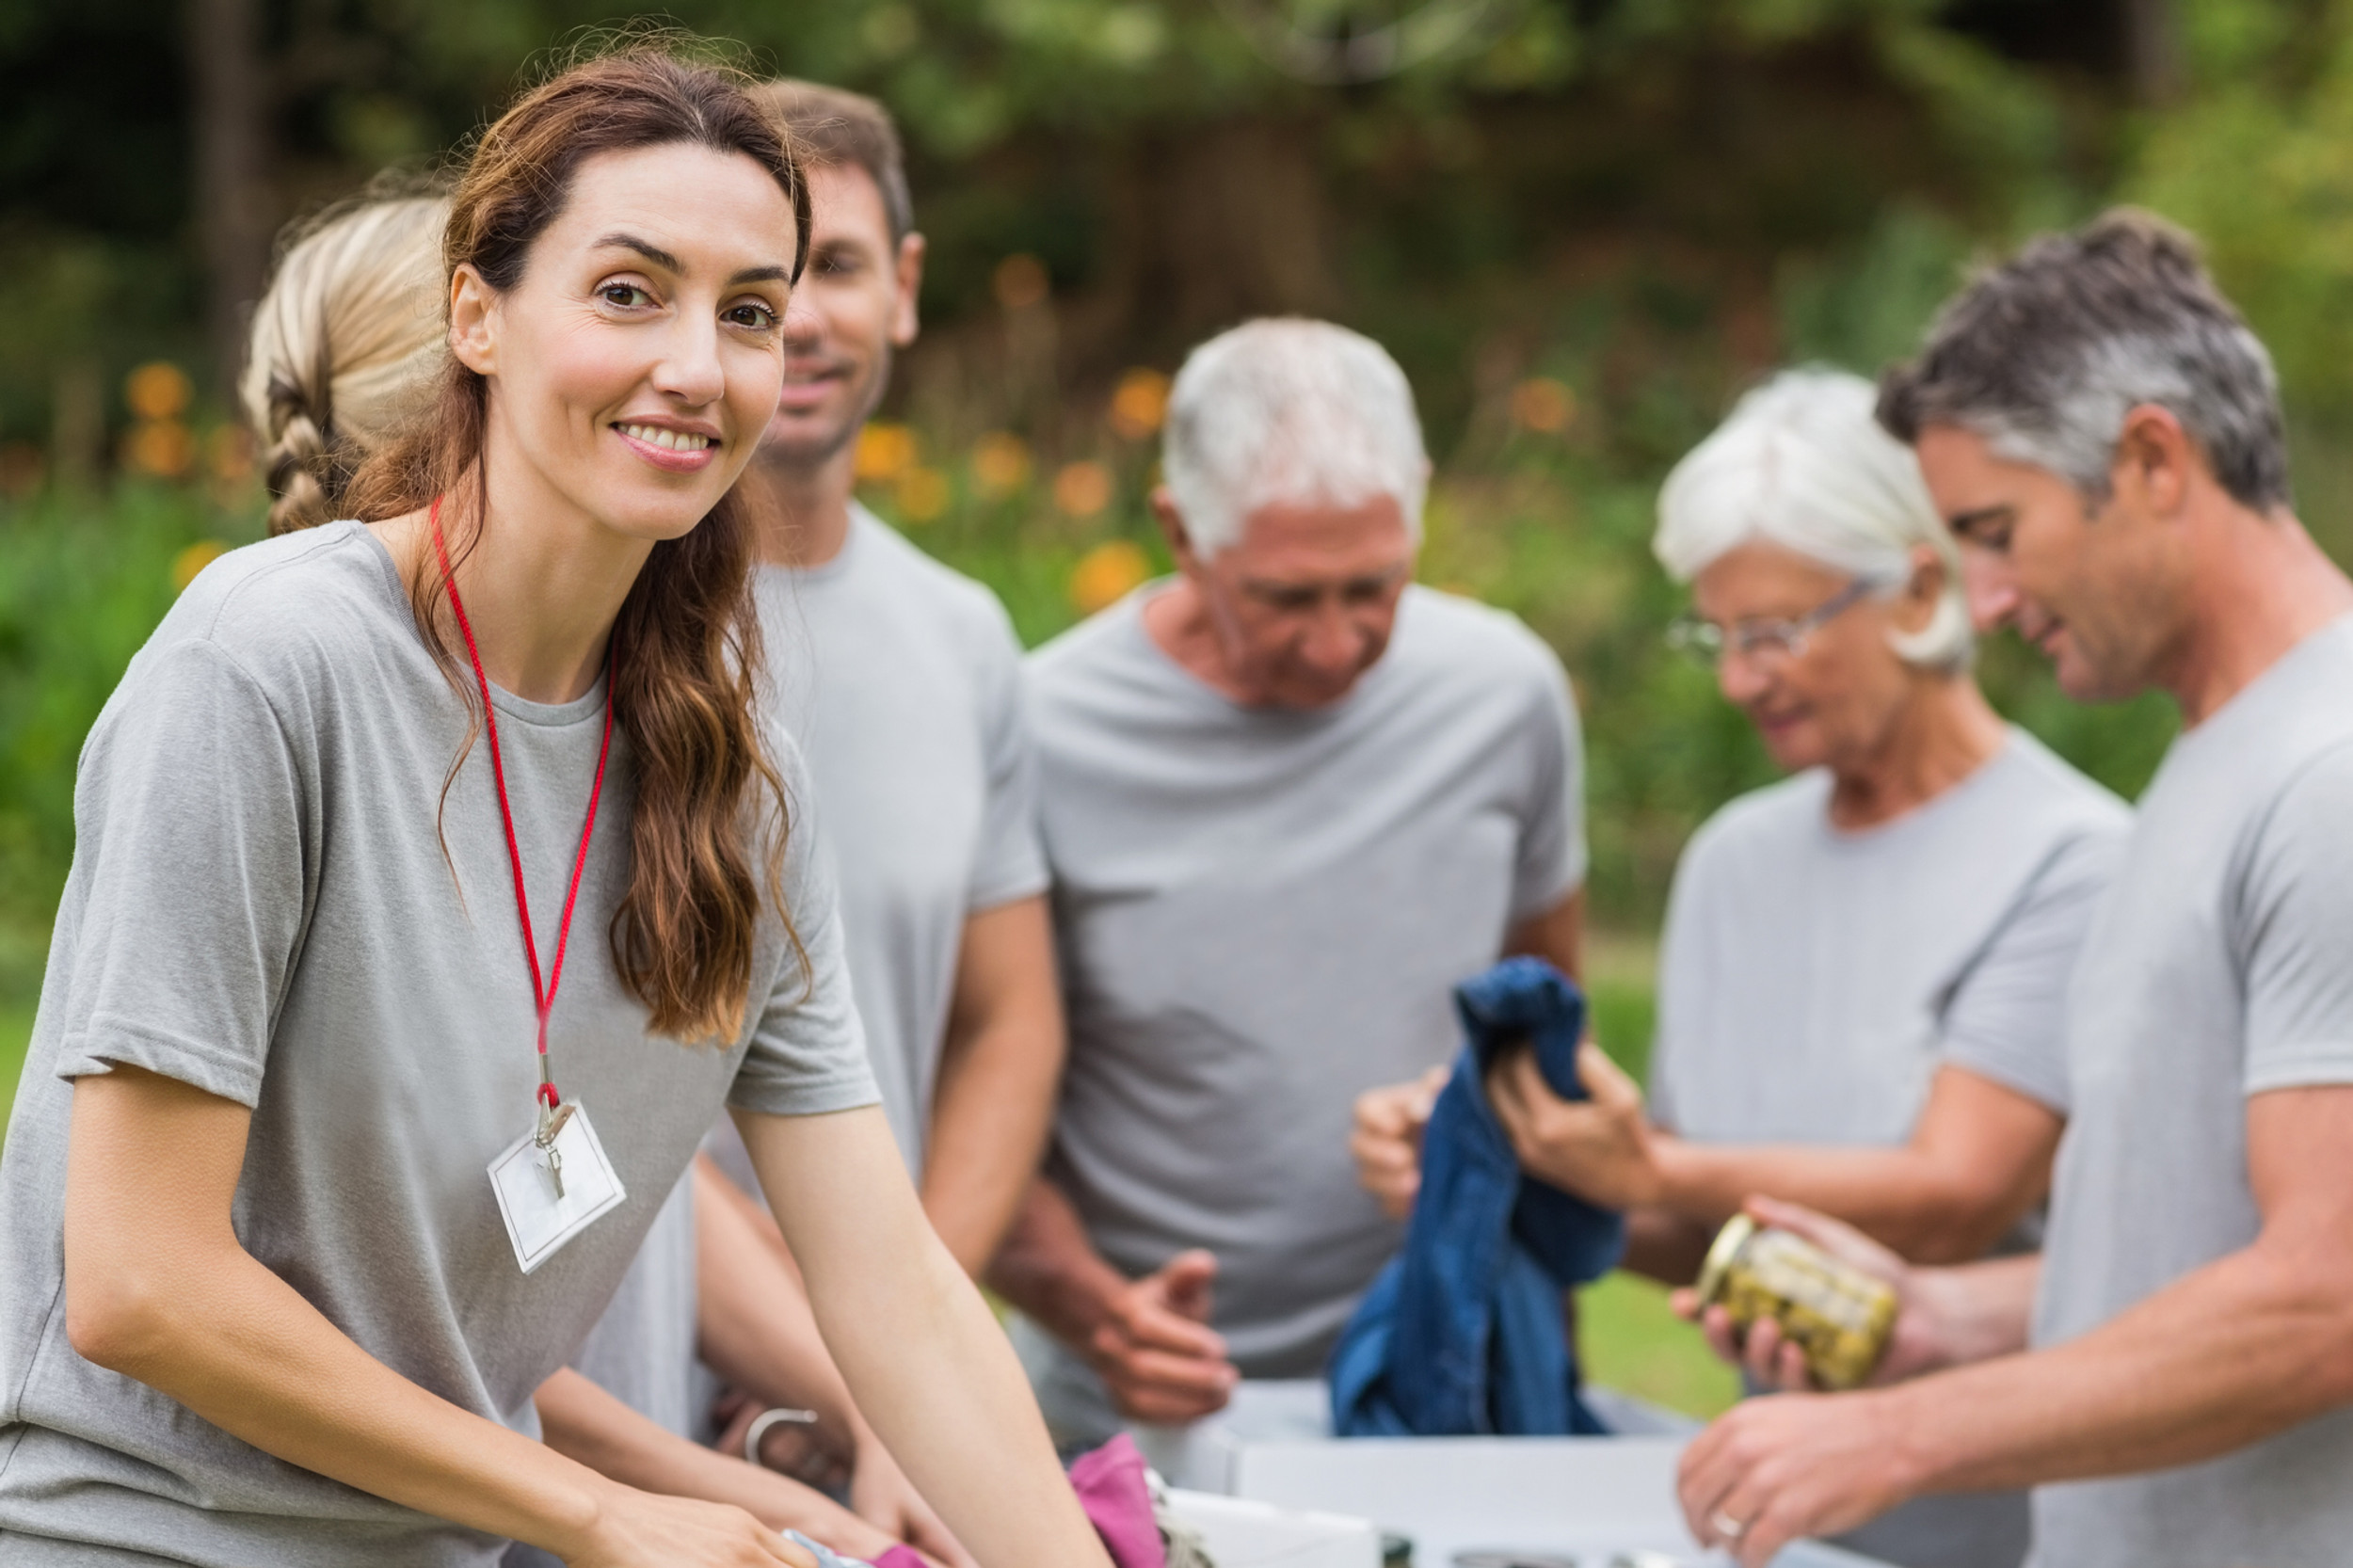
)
(766, 1419)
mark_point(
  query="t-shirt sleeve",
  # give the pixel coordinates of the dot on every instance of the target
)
(1552, 856)
(189, 814)
(1010, 863)
(2007, 1019)
(807, 1053)
(2294, 931)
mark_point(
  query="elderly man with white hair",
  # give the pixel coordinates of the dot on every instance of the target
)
(1289, 799)
(1860, 988)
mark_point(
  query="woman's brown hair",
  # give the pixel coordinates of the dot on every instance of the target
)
(686, 650)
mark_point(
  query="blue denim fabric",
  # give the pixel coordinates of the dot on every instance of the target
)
(1462, 1334)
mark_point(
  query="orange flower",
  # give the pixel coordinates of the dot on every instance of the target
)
(158, 391)
(1107, 573)
(885, 451)
(1139, 404)
(194, 559)
(1019, 282)
(162, 447)
(921, 495)
(1542, 404)
(1082, 488)
(1001, 463)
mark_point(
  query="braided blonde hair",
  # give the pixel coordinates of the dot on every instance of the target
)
(348, 343)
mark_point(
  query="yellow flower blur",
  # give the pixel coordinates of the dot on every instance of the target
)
(885, 452)
(162, 447)
(158, 391)
(1001, 463)
(1139, 404)
(921, 495)
(194, 559)
(1107, 573)
(1082, 488)
(1544, 404)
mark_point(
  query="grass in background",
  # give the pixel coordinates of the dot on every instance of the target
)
(1631, 1342)
(16, 1033)
(1626, 1337)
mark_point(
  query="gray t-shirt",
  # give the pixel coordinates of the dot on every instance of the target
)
(260, 907)
(1261, 915)
(902, 680)
(2219, 968)
(642, 1350)
(1812, 981)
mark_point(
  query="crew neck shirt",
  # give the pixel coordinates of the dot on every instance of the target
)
(901, 678)
(2219, 968)
(260, 907)
(1812, 980)
(1262, 913)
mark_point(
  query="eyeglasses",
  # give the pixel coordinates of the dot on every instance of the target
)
(1708, 642)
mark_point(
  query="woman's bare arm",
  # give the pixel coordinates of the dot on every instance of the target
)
(929, 1365)
(584, 1422)
(159, 1289)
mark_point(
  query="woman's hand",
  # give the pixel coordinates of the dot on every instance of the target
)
(1602, 1150)
(1386, 1138)
(886, 1500)
(642, 1529)
(1926, 1336)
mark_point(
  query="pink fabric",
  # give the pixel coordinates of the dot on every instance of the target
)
(901, 1557)
(1111, 1488)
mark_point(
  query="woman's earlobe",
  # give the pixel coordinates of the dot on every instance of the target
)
(471, 341)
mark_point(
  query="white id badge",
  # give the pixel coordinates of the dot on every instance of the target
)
(539, 1220)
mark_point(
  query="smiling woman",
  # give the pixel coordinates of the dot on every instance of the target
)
(366, 752)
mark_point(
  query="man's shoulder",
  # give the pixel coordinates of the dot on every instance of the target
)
(2067, 802)
(1450, 634)
(929, 585)
(1073, 659)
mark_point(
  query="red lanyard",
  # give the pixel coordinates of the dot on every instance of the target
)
(544, 997)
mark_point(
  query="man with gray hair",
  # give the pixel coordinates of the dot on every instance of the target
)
(1289, 800)
(2103, 432)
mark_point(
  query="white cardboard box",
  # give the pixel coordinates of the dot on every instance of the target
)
(1590, 1499)
(1240, 1534)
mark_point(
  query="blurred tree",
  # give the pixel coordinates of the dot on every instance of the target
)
(232, 210)
(1174, 163)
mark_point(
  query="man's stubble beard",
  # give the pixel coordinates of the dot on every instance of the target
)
(806, 457)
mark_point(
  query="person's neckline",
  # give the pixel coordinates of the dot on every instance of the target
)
(1925, 811)
(547, 715)
(2252, 696)
(1130, 610)
(839, 563)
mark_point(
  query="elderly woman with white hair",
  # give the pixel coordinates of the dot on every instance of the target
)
(1865, 965)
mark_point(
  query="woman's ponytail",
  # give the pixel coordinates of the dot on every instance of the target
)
(345, 344)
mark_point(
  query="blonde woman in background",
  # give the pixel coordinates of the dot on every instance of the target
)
(347, 343)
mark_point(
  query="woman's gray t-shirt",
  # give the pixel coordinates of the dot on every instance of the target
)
(260, 907)
(1812, 981)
